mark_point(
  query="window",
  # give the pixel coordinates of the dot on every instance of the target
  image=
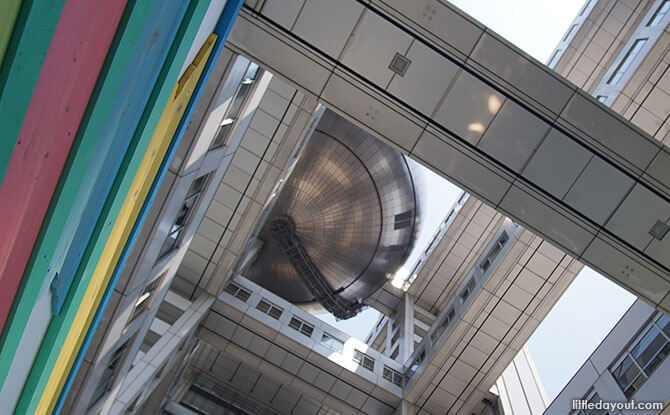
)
(364, 360)
(107, 378)
(332, 343)
(663, 323)
(269, 309)
(403, 220)
(627, 375)
(626, 62)
(552, 60)
(416, 363)
(591, 398)
(647, 348)
(642, 359)
(465, 293)
(395, 352)
(662, 10)
(495, 250)
(222, 135)
(445, 323)
(237, 291)
(144, 300)
(570, 31)
(392, 376)
(301, 326)
(202, 401)
(395, 337)
(586, 6)
(183, 216)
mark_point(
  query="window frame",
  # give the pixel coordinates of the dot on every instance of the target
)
(625, 63)
(238, 102)
(301, 327)
(106, 381)
(633, 385)
(237, 291)
(270, 308)
(332, 342)
(363, 360)
(184, 215)
(661, 11)
(149, 293)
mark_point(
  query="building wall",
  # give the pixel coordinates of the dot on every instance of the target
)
(589, 57)
(595, 375)
(520, 389)
(603, 36)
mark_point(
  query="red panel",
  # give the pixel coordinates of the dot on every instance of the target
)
(76, 54)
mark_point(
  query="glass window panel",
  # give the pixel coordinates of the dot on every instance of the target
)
(364, 360)
(626, 372)
(553, 58)
(657, 360)
(275, 313)
(231, 288)
(664, 323)
(368, 363)
(332, 343)
(660, 14)
(586, 6)
(627, 61)
(388, 375)
(197, 185)
(595, 398)
(306, 330)
(263, 306)
(238, 100)
(144, 301)
(169, 244)
(294, 324)
(635, 386)
(572, 29)
(221, 138)
(403, 220)
(252, 71)
(107, 377)
(648, 346)
(243, 294)
(182, 217)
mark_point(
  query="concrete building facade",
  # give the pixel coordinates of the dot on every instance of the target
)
(553, 178)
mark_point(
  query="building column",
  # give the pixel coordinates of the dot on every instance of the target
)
(405, 408)
(407, 327)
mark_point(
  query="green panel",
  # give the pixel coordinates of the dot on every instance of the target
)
(60, 324)
(21, 66)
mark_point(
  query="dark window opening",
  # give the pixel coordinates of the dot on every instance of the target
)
(180, 222)
(223, 133)
(403, 220)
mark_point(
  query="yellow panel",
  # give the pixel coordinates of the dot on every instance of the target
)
(123, 225)
(10, 8)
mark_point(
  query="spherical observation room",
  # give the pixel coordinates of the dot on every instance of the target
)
(343, 221)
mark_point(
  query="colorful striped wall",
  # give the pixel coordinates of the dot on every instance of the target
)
(99, 114)
(71, 67)
(26, 47)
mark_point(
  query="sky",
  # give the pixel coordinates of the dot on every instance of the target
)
(592, 304)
